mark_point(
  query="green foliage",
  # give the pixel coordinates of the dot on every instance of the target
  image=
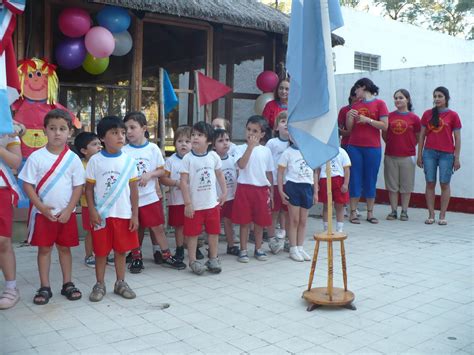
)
(349, 3)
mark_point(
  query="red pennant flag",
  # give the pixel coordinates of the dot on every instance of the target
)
(210, 89)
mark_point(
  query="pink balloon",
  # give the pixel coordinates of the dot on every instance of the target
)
(74, 22)
(99, 42)
(267, 81)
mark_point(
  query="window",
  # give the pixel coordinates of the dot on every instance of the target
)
(366, 62)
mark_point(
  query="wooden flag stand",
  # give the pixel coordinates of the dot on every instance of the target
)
(329, 296)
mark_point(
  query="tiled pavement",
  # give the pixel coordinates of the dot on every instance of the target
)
(413, 285)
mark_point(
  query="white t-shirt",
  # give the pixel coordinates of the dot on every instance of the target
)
(202, 178)
(338, 164)
(230, 175)
(148, 158)
(259, 164)
(39, 163)
(7, 141)
(297, 170)
(277, 147)
(173, 166)
(104, 169)
(232, 149)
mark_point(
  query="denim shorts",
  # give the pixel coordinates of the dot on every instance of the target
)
(432, 159)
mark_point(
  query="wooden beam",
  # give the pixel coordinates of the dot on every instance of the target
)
(137, 65)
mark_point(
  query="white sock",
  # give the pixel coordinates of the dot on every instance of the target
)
(293, 249)
(156, 248)
(10, 284)
(300, 247)
(339, 226)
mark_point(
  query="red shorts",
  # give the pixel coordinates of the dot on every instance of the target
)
(252, 204)
(278, 205)
(151, 215)
(48, 233)
(210, 219)
(86, 220)
(114, 236)
(337, 195)
(226, 209)
(6, 213)
(176, 216)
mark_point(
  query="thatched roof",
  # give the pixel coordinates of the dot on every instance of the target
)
(241, 13)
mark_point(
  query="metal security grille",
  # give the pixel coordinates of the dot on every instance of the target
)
(366, 62)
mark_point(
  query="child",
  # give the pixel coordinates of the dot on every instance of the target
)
(299, 194)
(254, 194)
(340, 175)
(10, 158)
(222, 123)
(53, 177)
(277, 145)
(171, 178)
(112, 197)
(87, 144)
(200, 172)
(221, 144)
(150, 165)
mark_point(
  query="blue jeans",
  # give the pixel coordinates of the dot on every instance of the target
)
(365, 164)
(432, 159)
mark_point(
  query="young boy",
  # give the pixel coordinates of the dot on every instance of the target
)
(222, 123)
(53, 177)
(150, 166)
(87, 144)
(340, 175)
(10, 158)
(112, 197)
(200, 172)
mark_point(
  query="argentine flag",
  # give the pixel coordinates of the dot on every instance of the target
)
(312, 110)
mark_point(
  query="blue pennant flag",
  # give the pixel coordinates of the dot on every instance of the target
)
(312, 110)
(170, 98)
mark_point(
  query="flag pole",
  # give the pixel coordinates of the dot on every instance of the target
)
(329, 191)
(161, 120)
(196, 96)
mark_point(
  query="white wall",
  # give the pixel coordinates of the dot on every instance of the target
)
(400, 45)
(420, 82)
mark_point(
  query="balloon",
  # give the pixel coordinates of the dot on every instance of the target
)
(74, 22)
(115, 19)
(267, 81)
(99, 42)
(70, 53)
(95, 66)
(261, 101)
(123, 43)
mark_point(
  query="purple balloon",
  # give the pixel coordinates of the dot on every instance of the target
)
(70, 53)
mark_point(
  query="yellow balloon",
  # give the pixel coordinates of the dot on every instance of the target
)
(95, 66)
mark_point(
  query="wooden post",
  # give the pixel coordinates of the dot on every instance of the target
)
(329, 188)
(161, 116)
(196, 94)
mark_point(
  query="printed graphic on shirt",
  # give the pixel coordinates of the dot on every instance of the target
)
(204, 179)
(141, 166)
(304, 169)
(435, 129)
(110, 181)
(398, 126)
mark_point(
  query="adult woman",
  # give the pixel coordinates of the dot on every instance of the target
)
(439, 145)
(401, 138)
(364, 121)
(280, 103)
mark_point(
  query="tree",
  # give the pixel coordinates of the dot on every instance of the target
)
(349, 3)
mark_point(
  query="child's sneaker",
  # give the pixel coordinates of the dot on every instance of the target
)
(295, 254)
(197, 268)
(214, 265)
(89, 261)
(9, 298)
(121, 288)
(243, 257)
(234, 250)
(304, 254)
(111, 259)
(199, 254)
(158, 257)
(173, 263)
(276, 245)
(179, 254)
(136, 266)
(98, 292)
(260, 255)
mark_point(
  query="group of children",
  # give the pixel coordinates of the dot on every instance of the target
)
(210, 180)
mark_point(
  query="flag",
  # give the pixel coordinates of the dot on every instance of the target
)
(209, 90)
(312, 111)
(169, 96)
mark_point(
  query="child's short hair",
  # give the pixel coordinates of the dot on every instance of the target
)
(138, 117)
(264, 126)
(82, 140)
(58, 113)
(283, 115)
(182, 131)
(107, 123)
(204, 128)
(227, 125)
(218, 133)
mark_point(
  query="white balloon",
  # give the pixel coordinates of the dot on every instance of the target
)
(261, 101)
(123, 43)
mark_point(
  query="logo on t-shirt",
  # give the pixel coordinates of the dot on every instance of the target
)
(363, 111)
(398, 126)
(141, 167)
(438, 129)
(229, 177)
(304, 168)
(111, 180)
(204, 180)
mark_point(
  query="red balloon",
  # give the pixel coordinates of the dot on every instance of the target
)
(74, 22)
(267, 81)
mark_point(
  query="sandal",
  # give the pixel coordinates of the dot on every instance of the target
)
(372, 219)
(354, 219)
(71, 292)
(429, 221)
(42, 296)
(121, 288)
(9, 298)
(443, 222)
(393, 216)
(404, 216)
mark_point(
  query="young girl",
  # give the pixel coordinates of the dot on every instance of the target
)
(171, 178)
(254, 196)
(150, 165)
(299, 194)
(277, 146)
(221, 142)
(10, 158)
(280, 103)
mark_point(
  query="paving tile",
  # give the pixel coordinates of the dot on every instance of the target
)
(295, 344)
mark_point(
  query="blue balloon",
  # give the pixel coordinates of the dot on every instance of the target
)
(70, 53)
(115, 19)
